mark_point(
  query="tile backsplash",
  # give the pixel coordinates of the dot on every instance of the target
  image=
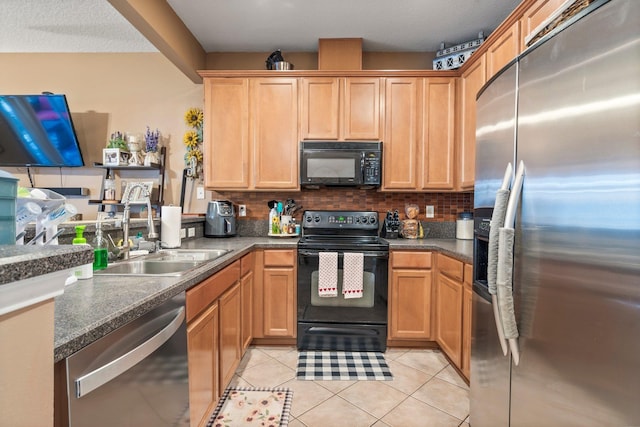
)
(447, 205)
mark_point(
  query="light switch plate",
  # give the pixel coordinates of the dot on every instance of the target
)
(200, 192)
(183, 233)
(191, 232)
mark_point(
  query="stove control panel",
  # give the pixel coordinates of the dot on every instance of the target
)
(341, 219)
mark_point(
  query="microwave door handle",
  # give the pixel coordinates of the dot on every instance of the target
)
(362, 172)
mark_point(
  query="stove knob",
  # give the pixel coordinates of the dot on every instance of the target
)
(357, 220)
(363, 219)
(372, 220)
(316, 218)
(308, 218)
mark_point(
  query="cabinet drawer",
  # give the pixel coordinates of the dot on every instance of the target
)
(202, 295)
(246, 263)
(450, 267)
(279, 258)
(411, 259)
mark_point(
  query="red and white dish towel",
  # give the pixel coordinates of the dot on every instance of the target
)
(328, 274)
(352, 275)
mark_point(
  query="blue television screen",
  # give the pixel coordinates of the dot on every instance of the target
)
(36, 130)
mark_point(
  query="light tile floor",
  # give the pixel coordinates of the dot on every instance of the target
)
(425, 391)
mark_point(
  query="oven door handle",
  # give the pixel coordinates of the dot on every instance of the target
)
(368, 254)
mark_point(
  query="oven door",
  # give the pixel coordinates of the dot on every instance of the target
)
(336, 323)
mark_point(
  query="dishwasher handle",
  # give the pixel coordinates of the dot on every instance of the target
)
(102, 375)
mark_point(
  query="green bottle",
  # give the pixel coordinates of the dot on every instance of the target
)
(100, 251)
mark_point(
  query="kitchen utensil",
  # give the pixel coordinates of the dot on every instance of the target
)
(279, 207)
(272, 203)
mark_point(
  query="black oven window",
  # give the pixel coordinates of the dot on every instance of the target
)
(368, 292)
(331, 168)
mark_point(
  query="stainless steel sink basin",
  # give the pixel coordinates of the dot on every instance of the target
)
(167, 262)
(188, 254)
(148, 267)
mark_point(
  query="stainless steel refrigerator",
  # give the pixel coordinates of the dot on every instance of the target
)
(565, 115)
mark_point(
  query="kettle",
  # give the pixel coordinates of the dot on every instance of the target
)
(220, 219)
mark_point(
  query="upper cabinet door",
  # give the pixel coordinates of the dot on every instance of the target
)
(226, 133)
(471, 82)
(438, 133)
(401, 136)
(320, 108)
(534, 16)
(274, 132)
(361, 108)
(503, 50)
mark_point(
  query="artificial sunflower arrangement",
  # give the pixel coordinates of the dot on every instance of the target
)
(192, 140)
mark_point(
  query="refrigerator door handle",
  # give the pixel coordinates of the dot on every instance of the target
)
(505, 267)
(497, 220)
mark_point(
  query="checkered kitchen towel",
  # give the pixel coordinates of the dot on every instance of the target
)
(328, 274)
(342, 365)
(352, 275)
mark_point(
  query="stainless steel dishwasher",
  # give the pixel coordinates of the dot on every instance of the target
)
(135, 375)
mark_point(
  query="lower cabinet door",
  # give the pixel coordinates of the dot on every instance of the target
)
(449, 313)
(246, 290)
(279, 302)
(202, 342)
(410, 304)
(230, 334)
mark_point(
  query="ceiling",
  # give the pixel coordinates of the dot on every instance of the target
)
(253, 25)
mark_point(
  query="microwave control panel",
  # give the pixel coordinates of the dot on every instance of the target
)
(371, 166)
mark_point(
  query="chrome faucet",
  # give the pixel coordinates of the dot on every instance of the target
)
(151, 228)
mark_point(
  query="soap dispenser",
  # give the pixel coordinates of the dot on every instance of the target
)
(83, 271)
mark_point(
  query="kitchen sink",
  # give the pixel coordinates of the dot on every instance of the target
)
(148, 267)
(168, 262)
(198, 255)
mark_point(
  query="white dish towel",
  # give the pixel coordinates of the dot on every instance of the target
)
(352, 275)
(328, 274)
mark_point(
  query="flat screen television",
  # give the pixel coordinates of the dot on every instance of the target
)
(37, 130)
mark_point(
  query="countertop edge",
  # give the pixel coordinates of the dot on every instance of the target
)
(94, 297)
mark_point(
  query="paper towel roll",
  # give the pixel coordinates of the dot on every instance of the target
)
(170, 222)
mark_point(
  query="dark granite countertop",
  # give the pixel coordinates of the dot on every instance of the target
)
(24, 262)
(90, 309)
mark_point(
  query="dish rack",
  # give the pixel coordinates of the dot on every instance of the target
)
(48, 210)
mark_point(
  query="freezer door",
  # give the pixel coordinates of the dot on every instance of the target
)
(577, 266)
(495, 135)
(490, 369)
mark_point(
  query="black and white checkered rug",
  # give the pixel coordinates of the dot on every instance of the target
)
(342, 365)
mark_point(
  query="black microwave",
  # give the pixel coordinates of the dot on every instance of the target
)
(338, 163)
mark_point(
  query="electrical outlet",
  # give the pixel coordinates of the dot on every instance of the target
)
(200, 192)
(191, 232)
(242, 210)
(183, 233)
(429, 211)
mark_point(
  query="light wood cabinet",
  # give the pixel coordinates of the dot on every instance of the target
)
(471, 82)
(202, 339)
(535, 15)
(467, 295)
(340, 108)
(503, 50)
(230, 334)
(449, 289)
(247, 264)
(274, 132)
(438, 134)
(251, 133)
(401, 135)
(279, 293)
(226, 133)
(410, 295)
(213, 339)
